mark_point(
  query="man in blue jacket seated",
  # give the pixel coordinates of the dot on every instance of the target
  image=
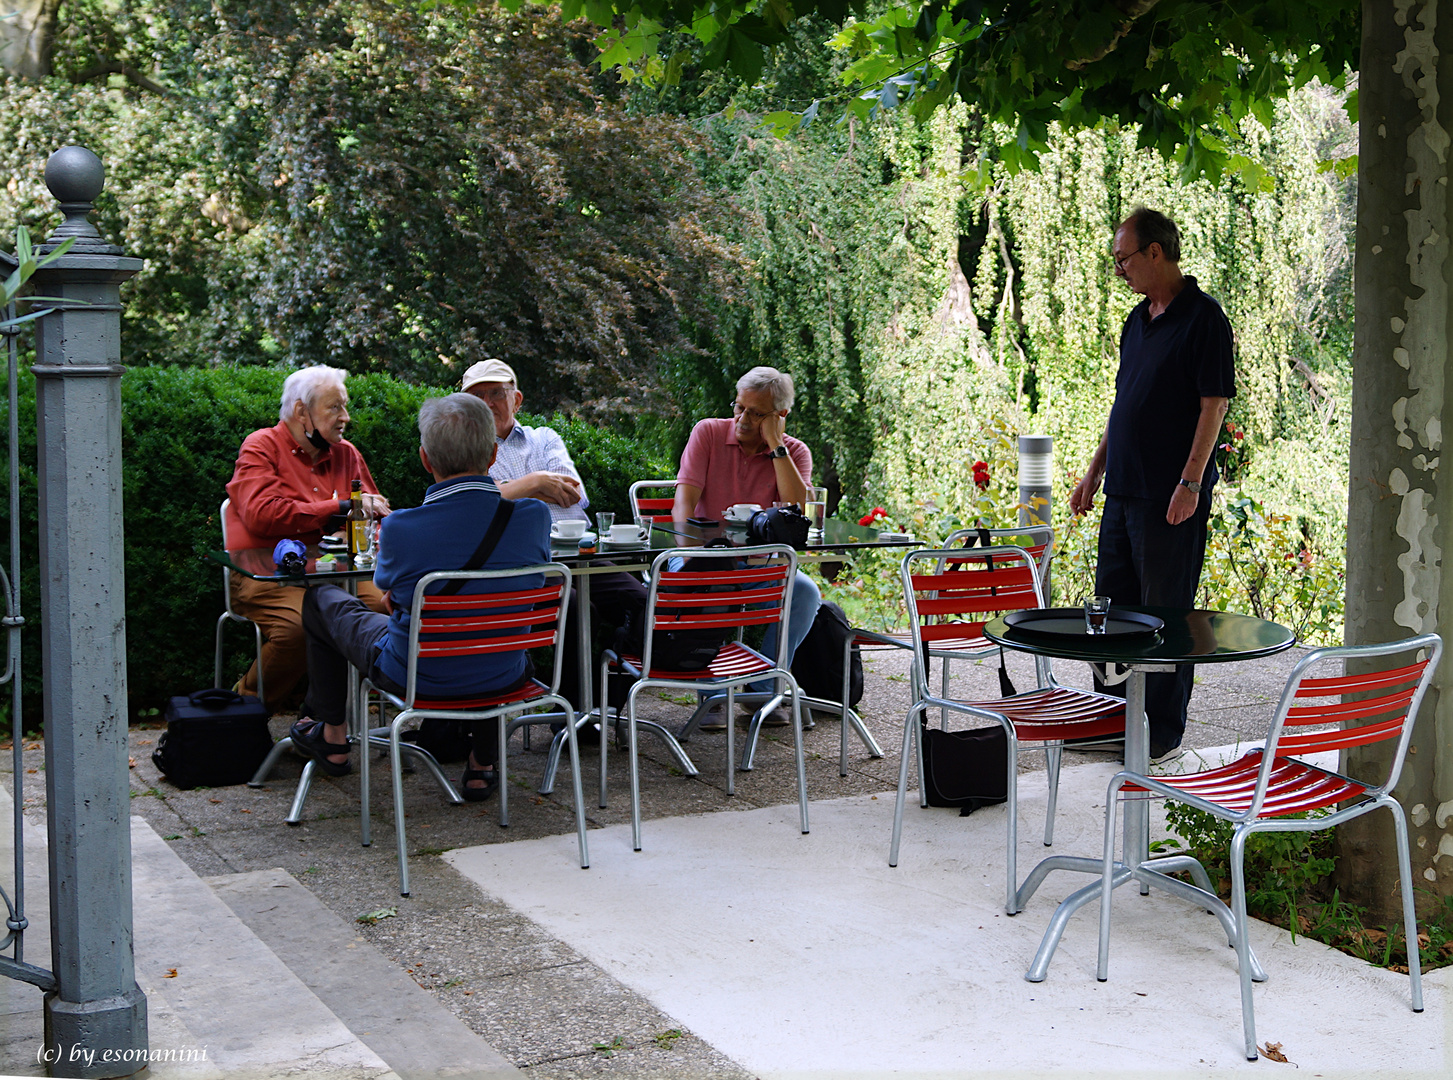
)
(457, 446)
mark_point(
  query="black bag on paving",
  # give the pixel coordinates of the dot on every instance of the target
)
(967, 769)
(818, 663)
(213, 738)
(680, 650)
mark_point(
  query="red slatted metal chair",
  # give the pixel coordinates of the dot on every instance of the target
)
(1038, 540)
(652, 507)
(528, 612)
(751, 586)
(229, 615)
(947, 607)
(1258, 792)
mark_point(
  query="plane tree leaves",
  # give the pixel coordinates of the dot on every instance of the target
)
(1184, 72)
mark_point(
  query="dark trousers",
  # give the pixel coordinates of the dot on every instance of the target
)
(612, 598)
(340, 630)
(1144, 561)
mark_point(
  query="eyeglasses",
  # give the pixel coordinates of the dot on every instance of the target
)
(1123, 259)
(738, 409)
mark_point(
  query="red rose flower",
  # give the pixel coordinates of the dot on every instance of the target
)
(873, 515)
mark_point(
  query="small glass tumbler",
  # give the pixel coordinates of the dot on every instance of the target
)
(604, 521)
(1097, 613)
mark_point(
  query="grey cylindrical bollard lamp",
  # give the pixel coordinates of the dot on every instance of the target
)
(1036, 479)
(95, 1019)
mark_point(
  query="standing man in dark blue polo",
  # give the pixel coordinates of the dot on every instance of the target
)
(1175, 380)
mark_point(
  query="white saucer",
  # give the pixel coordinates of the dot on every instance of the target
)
(733, 519)
(557, 538)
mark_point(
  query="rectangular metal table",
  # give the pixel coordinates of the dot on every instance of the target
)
(839, 540)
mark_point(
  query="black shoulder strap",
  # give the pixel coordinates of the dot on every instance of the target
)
(487, 545)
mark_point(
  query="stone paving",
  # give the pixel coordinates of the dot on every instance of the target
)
(537, 1001)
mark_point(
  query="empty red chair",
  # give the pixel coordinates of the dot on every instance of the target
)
(1259, 791)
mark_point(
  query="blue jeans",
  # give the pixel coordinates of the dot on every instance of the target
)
(806, 599)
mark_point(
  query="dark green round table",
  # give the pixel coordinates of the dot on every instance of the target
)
(1190, 636)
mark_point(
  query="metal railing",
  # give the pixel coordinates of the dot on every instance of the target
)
(14, 966)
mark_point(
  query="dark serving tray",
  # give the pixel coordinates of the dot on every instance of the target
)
(1070, 622)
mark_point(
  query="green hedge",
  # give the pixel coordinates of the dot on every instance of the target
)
(181, 428)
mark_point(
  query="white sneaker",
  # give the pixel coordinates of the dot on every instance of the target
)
(1170, 755)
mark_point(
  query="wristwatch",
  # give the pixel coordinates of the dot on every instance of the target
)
(1193, 486)
(781, 451)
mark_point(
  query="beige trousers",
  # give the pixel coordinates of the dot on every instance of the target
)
(278, 609)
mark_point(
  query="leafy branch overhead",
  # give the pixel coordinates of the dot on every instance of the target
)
(1185, 73)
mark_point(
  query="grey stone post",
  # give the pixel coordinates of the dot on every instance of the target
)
(1036, 478)
(97, 1006)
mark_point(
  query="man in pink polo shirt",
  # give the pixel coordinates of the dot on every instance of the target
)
(289, 481)
(751, 459)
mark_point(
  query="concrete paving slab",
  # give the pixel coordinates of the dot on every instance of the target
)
(232, 993)
(390, 1013)
(807, 956)
(219, 1002)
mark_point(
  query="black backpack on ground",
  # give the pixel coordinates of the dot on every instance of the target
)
(679, 650)
(213, 738)
(818, 663)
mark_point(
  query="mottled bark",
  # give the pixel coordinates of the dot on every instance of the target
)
(27, 34)
(1399, 513)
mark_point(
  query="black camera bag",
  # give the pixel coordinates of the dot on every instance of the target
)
(213, 738)
(967, 769)
(780, 525)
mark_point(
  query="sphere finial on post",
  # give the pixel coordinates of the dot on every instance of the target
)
(76, 177)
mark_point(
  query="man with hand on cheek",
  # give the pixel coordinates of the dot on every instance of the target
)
(751, 459)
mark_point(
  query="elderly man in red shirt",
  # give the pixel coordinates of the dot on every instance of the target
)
(289, 482)
(751, 459)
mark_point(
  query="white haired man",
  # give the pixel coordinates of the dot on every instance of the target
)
(751, 459)
(290, 480)
(456, 446)
(533, 462)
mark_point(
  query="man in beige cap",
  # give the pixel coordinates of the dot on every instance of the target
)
(533, 463)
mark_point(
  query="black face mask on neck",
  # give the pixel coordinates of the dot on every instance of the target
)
(317, 440)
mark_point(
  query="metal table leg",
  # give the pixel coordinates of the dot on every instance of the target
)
(1137, 864)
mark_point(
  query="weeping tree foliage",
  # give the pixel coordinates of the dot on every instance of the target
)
(932, 311)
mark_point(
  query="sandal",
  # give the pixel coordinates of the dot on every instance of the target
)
(308, 740)
(489, 777)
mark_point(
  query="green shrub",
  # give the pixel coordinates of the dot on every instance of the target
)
(180, 431)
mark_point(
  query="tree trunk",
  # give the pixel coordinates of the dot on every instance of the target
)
(27, 34)
(1399, 514)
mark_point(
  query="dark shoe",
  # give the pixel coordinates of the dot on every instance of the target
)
(489, 777)
(308, 740)
(781, 716)
(714, 719)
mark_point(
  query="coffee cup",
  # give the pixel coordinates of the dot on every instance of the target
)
(625, 534)
(742, 511)
(570, 529)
